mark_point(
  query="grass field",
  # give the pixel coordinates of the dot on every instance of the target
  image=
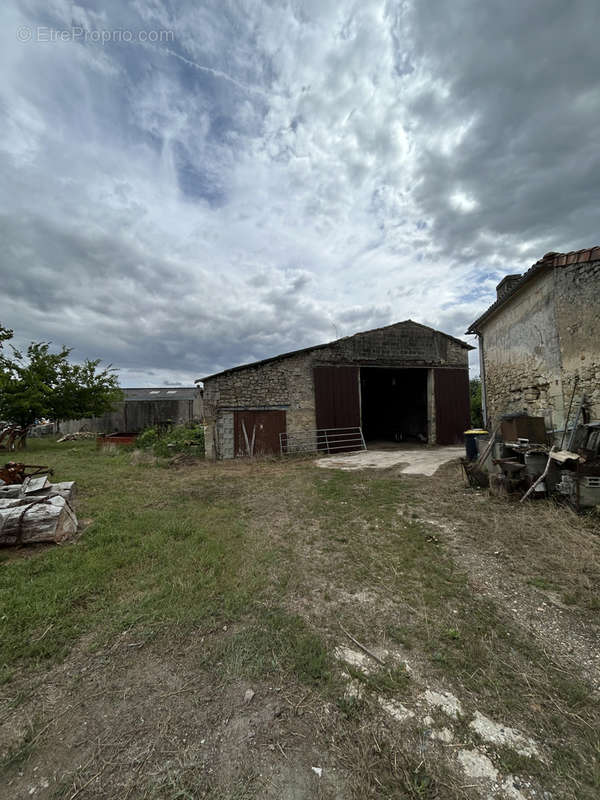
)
(126, 655)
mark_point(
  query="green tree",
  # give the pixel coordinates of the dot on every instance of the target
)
(476, 411)
(40, 383)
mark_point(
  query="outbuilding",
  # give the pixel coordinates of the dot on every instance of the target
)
(539, 343)
(143, 407)
(402, 383)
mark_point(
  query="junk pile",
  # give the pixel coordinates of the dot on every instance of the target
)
(74, 437)
(31, 508)
(12, 437)
(579, 467)
(42, 429)
(518, 459)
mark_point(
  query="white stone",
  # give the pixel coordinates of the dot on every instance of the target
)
(510, 790)
(353, 657)
(395, 709)
(447, 702)
(444, 735)
(476, 765)
(503, 735)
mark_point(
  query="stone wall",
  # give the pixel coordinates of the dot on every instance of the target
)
(225, 435)
(287, 383)
(577, 291)
(521, 355)
(534, 346)
(406, 344)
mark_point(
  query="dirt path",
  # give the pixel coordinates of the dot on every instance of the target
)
(557, 627)
(502, 565)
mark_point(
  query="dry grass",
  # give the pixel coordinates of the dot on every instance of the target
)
(193, 584)
(541, 542)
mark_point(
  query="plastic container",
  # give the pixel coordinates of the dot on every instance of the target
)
(472, 440)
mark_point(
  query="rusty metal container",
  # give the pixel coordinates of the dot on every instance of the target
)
(521, 426)
(116, 439)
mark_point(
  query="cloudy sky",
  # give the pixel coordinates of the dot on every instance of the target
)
(236, 178)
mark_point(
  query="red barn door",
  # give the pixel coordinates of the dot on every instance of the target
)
(452, 407)
(264, 426)
(337, 400)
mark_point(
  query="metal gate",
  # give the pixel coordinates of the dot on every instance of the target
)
(327, 440)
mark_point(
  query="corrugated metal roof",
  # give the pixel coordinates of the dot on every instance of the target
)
(549, 261)
(160, 393)
(329, 344)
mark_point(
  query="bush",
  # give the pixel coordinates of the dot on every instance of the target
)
(174, 439)
(476, 410)
(147, 438)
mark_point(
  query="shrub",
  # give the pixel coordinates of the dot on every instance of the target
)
(174, 439)
(147, 438)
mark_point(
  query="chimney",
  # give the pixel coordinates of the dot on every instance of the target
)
(506, 285)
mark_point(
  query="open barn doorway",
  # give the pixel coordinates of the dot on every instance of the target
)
(394, 404)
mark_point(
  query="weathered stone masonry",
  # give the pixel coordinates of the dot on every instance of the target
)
(286, 382)
(542, 334)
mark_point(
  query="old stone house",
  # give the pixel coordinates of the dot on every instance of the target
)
(540, 336)
(403, 382)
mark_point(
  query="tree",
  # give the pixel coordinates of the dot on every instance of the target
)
(42, 384)
(475, 394)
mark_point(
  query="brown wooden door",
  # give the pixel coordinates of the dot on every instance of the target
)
(452, 407)
(266, 426)
(337, 400)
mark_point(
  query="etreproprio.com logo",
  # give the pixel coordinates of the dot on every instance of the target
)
(26, 33)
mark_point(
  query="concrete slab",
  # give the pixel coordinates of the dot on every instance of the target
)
(415, 461)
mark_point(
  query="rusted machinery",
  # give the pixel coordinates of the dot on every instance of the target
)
(518, 460)
(14, 473)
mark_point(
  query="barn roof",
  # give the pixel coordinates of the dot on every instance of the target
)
(549, 261)
(329, 344)
(160, 393)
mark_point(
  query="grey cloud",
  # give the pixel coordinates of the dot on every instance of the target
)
(283, 175)
(524, 76)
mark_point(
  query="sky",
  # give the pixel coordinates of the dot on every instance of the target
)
(186, 186)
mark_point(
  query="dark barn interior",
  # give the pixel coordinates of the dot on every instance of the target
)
(394, 404)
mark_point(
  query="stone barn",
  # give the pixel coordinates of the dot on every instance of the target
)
(539, 343)
(405, 382)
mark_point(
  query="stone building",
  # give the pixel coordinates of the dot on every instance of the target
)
(404, 382)
(541, 334)
(141, 408)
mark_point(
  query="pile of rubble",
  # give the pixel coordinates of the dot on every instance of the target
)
(32, 509)
(72, 437)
